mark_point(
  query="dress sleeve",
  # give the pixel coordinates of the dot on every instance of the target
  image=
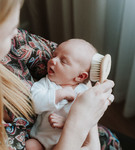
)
(34, 51)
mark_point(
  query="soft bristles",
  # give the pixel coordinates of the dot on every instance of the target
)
(95, 67)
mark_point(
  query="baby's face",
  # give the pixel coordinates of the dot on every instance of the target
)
(67, 63)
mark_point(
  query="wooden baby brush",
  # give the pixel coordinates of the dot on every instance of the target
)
(100, 67)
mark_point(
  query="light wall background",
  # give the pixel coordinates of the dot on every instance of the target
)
(108, 24)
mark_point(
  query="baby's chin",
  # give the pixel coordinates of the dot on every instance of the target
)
(52, 79)
(49, 77)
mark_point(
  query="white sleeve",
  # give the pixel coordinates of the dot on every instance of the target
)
(43, 97)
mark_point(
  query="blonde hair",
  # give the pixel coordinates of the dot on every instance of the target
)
(2, 131)
(6, 7)
(15, 96)
(13, 93)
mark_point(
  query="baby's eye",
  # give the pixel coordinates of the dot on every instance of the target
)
(64, 61)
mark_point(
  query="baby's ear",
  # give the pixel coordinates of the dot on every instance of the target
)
(81, 77)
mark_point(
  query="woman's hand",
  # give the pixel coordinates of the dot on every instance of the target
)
(91, 105)
(84, 115)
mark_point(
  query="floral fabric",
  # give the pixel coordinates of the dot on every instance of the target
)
(108, 140)
(28, 59)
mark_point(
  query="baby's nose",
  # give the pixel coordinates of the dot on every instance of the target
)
(53, 61)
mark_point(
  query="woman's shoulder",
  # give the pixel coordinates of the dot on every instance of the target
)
(29, 40)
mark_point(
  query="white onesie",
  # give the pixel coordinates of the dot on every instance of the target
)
(43, 93)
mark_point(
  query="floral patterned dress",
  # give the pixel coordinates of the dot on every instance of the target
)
(28, 59)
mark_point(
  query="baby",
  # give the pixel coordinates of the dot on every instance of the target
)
(54, 94)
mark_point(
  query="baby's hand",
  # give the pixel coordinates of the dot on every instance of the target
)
(56, 121)
(69, 93)
(64, 93)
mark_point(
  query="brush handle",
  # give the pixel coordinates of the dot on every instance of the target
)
(105, 68)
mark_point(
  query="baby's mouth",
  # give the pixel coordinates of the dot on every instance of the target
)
(51, 71)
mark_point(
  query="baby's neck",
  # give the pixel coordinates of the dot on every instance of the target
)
(73, 86)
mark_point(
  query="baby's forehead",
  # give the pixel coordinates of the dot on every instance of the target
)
(83, 45)
(87, 53)
(78, 46)
(87, 50)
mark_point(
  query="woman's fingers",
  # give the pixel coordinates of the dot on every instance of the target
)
(107, 94)
(108, 84)
(93, 102)
(104, 87)
(110, 99)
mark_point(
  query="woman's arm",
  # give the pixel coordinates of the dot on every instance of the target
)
(92, 141)
(84, 114)
(36, 52)
(33, 51)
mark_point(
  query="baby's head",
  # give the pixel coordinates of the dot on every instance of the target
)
(71, 61)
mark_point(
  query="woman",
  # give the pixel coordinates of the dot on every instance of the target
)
(28, 56)
(10, 86)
